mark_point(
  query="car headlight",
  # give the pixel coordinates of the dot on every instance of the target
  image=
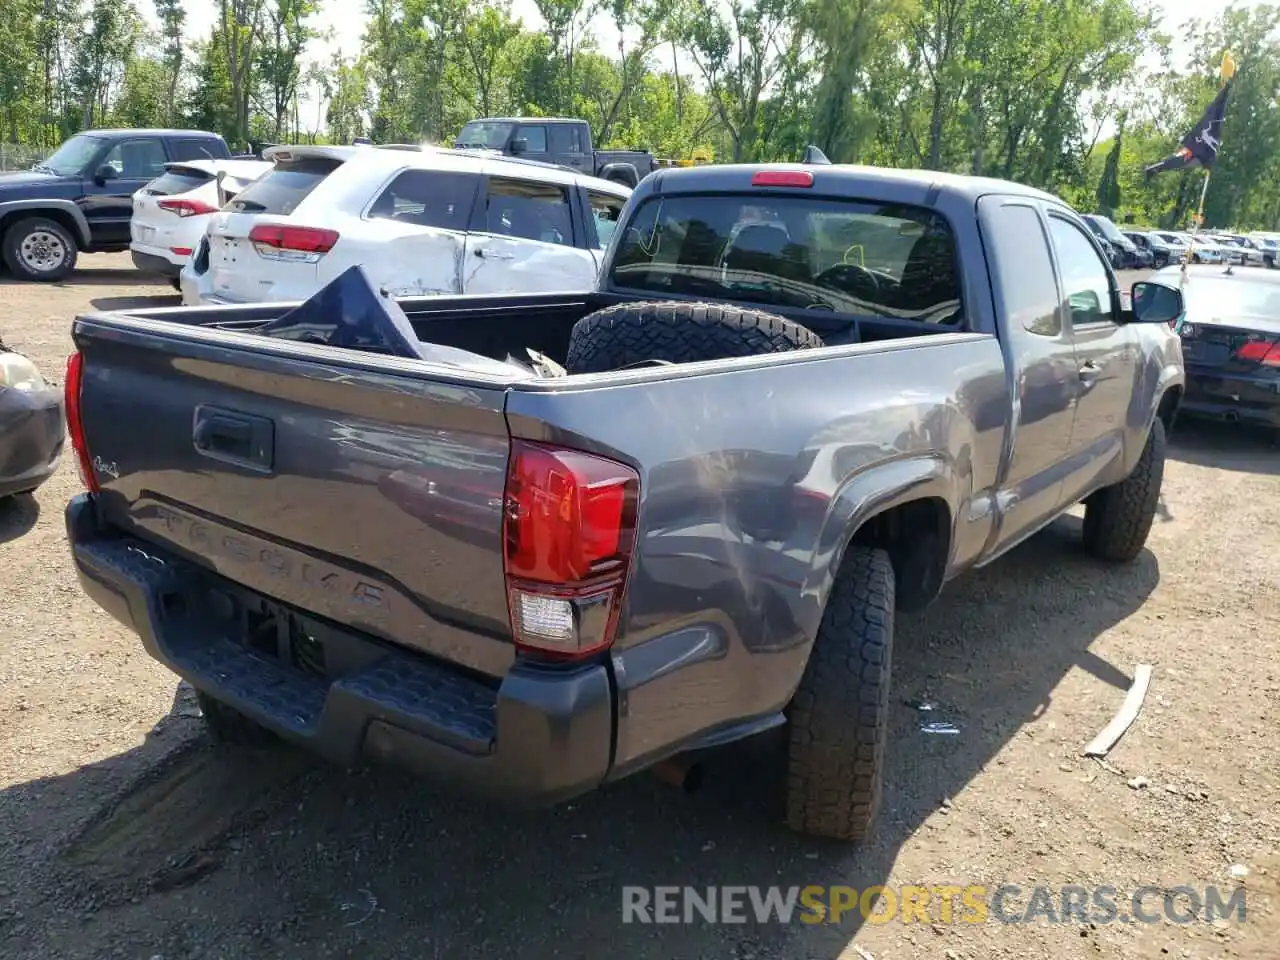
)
(1187, 331)
(19, 373)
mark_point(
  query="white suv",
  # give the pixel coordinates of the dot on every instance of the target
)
(171, 212)
(420, 223)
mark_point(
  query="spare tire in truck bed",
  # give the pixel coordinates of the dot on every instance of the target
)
(679, 332)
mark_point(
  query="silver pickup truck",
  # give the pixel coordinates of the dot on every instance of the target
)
(801, 398)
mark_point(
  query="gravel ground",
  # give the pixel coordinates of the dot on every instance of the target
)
(122, 834)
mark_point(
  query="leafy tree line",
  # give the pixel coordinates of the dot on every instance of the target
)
(1019, 89)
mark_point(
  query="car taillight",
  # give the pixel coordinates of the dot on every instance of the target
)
(279, 242)
(1265, 352)
(186, 208)
(75, 424)
(569, 529)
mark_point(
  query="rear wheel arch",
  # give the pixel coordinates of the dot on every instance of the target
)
(906, 508)
(623, 173)
(916, 534)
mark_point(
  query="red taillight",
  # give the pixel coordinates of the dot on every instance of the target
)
(282, 242)
(181, 251)
(1265, 352)
(782, 178)
(75, 425)
(186, 208)
(569, 524)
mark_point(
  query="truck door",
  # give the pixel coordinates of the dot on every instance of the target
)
(422, 218)
(534, 137)
(568, 147)
(1041, 362)
(108, 206)
(527, 241)
(1105, 355)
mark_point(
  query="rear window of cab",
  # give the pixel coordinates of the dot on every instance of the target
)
(810, 253)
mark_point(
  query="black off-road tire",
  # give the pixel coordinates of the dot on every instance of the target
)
(21, 261)
(227, 725)
(839, 718)
(1118, 518)
(679, 332)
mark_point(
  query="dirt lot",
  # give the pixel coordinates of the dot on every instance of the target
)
(123, 835)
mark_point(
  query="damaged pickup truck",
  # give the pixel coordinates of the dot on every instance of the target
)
(800, 399)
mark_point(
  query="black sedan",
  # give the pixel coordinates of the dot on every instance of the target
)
(31, 425)
(1230, 343)
(1158, 253)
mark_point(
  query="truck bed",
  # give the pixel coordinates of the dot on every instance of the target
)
(365, 493)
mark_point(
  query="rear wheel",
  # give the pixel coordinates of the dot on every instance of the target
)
(678, 332)
(39, 249)
(839, 718)
(1118, 518)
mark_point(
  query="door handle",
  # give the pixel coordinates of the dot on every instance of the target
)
(219, 434)
(491, 255)
(231, 437)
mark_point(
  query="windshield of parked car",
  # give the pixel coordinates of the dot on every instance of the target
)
(1109, 229)
(73, 156)
(843, 256)
(1224, 298)
(484, 135)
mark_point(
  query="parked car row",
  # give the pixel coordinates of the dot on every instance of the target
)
(1139, 248)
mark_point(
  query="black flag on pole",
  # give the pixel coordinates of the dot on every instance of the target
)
(1201, 145)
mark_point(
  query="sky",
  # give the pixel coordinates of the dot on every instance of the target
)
(346, 20)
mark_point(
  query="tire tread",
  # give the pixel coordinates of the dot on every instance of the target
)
(839, 717)
(679, 332)
(1118, 518)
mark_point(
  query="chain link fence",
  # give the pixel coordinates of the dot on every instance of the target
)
(16, 157)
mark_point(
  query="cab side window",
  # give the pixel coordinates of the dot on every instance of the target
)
(137, 159)
(1026, 272)
(605, 210)
(194, 150)
(536, 137)
(1085, 279)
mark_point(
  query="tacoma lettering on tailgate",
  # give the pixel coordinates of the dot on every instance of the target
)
(303, 579)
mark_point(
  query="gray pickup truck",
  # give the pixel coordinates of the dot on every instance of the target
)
(801, 398)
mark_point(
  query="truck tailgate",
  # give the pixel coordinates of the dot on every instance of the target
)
(353, 487)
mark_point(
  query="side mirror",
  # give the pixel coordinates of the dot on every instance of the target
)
(105, 172)
(1155, 302)
(519, 146)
